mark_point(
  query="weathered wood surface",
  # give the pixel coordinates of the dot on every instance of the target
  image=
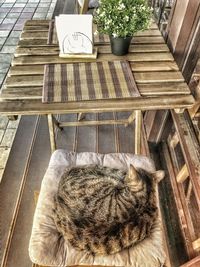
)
(154, 68)
(54, 50)
(196, 244)
(194, 85)
(35, 92)
(183, 218)
(174, 238)
(141, 78)
(14, 213)
(192, 263)
(135, 66)
(54, 59)
(183, 34)
(154, 40)
(183, 211)
(34, 106)
(191, 149)
(182, 175)
(186, 165)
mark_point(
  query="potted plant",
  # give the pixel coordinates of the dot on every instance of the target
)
(120, 19)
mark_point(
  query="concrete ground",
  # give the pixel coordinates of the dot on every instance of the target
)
(13, 14)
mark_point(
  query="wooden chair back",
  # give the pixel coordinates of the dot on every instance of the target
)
(82, 6)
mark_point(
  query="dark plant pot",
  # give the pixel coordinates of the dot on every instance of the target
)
(120, 45)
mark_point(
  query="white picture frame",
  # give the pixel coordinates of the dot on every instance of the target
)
(75, 34)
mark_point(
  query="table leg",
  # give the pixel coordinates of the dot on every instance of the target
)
(81, 116)
(138, 129)
(51, 132)
(131, 118)
(13, 117)
(179, 110)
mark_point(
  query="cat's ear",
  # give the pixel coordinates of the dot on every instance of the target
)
(133, 173)
(159, 175)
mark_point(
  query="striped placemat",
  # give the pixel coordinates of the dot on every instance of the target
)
(88, 81)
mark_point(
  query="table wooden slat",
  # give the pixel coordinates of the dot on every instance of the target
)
(32, 107)
(29, 92)
(154, 89)
(168, 88)
(146, 77)
(152, 26)
(23, 81)
(34, 35)
(24, 70)
(53, 59)
(135, 66)
(154, 66)
(38, 30)
(44, 22)
(54, 50)
(35, 28)
(150, 32)
(31, 42)
(154, 76)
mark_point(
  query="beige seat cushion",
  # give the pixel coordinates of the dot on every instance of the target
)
(48, 248)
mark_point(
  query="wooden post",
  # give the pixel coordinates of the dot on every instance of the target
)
(51, 132)
(84, 7)
(81, 116)
(174, 140)
(192, 263)
(189, 191)
(138, 126)
(13, 117)
(131, 118)
(182, 174)
(196, 244)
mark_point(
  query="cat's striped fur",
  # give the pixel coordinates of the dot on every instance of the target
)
(103, 210)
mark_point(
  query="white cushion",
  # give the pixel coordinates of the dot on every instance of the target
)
(48, 248)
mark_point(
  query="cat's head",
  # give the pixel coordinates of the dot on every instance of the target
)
(137, 177)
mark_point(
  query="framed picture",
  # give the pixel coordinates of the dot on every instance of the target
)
(74, 34)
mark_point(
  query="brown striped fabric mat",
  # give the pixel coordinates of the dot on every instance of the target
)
(88, 81)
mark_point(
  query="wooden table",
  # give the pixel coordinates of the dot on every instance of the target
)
(158, 78)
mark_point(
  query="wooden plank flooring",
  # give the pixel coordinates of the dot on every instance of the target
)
(39, 158)
(13, 185)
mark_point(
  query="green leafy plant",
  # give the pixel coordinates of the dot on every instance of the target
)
(122, 18)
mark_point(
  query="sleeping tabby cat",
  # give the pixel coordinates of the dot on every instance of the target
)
(103, 210)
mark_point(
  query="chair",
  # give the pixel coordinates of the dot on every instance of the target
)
(48, 248)
(84, 5)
